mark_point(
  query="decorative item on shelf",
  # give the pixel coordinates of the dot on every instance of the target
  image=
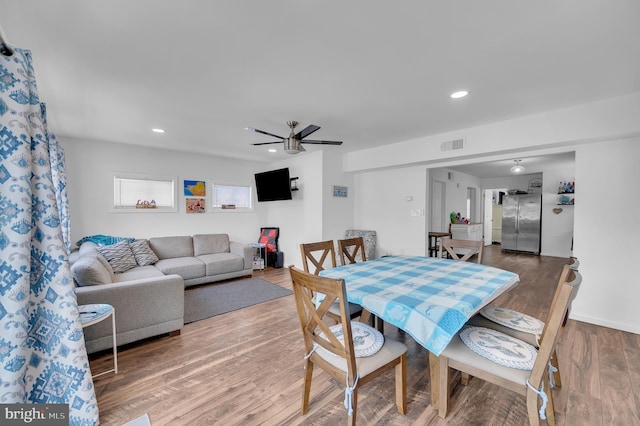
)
(457, 219)
(567, 187)
(146, 204)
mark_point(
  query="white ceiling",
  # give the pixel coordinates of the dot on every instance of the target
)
(368, 72)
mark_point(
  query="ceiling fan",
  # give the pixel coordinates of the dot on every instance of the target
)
(293, 143)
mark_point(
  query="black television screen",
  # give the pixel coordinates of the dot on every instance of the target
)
(273, 185)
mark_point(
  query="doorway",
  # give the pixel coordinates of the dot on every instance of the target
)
(438, 194)
(492, 206)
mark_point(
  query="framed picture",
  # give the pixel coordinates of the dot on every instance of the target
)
(340, 191)
(195, 188)
(195, 205)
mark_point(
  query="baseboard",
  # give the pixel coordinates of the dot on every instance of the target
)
(630, 328)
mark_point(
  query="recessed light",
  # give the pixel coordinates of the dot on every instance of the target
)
(273, 150)
(459, 94)
(157, 130)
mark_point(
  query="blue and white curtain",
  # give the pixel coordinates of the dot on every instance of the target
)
(43, 359)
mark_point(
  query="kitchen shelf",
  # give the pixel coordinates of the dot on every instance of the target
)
(566, 198)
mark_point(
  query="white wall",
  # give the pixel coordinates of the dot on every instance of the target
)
(557, 229)
(381, 205)
(337, 211)
(456, 192)
(315, 214)
(299, 219)
(607, 235)
(90, 165)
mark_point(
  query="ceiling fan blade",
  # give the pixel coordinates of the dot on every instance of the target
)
(263, 132)
(307, 131)
(323, 142)
(266, 143)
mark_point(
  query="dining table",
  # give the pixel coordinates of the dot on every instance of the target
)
(429, 298)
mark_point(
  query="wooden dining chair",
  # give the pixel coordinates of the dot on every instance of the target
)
(488, 362)
(321, 255)
(333, 348)
(351, 250)
(522, 326)
(449, 245)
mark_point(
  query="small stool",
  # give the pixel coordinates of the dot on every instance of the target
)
(434, 242)
(95, 313)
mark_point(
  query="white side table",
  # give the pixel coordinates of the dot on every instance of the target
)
(259, 262)
(95, 313)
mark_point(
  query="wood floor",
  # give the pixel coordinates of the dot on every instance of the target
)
(245, 368)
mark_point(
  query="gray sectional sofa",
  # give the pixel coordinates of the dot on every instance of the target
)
(149, 297)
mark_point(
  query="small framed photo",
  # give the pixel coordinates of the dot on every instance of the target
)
(195, 205)
(195, 188)
(340, 191)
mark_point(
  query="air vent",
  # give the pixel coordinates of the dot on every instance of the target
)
(452, 145)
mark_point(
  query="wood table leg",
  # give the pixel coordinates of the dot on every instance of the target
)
(434, 380)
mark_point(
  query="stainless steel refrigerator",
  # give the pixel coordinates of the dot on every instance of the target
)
(521, 215)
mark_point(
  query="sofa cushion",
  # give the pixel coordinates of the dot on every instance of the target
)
(143, 253)
(90, 270)
(138, 273)
(170, 247)
(210, 244)
(119, 256)
(187, 267)
(222, 263)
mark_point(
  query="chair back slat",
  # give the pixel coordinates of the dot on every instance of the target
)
(312, 315)
(568, 285)
(471, 247)
(316, 254)
(351, 250)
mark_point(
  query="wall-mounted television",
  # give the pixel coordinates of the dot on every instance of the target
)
(273, 185)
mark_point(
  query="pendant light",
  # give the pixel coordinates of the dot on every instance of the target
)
(517, 169)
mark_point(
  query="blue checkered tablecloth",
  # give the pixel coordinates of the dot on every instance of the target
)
(429, 298)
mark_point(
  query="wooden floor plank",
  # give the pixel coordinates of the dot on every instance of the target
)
(246, 367)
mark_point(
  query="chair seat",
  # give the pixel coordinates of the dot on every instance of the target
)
(513, 319)
(391, 350)
(352, 309)
(456, 350)
(480, 321)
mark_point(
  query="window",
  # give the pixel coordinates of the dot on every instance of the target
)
(238, 196)
(144, 193)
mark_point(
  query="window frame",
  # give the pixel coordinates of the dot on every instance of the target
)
(144, 177)
(218, 208)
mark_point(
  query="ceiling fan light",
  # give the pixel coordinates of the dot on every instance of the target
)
(292, 146)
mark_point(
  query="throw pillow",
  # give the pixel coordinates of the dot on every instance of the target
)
(499, 348)
(143, 253)
(119, 256)
(367, 340)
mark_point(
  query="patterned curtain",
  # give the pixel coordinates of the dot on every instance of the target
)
(43, 359)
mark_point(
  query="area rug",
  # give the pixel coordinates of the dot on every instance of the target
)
(215, 299)
(140, 421)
